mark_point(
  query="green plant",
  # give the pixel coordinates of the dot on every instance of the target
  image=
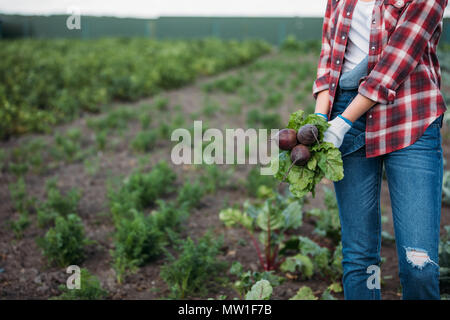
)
(291, 44)
(145, 120)
(137, 241)
(261, 290)
(101, 138)
(255, 180)
(304, 293)
(45, 82)
(22, 204)
(18, 169)
(178, 120)
(245, 280)
(215, 177)
(145, 141)
(444, 262)
(336, 264)
(19, 196)
(64, 244)
(164, 130)
(328, 223)
(161, 103)
(19, 225)
(57, 204)
(311, 257)
(90, 289)
(249, 93)
(299, 263)
(196, 265)
(67, 146)
(319, 255)
(272, 219)
(210, 108)
(266, 79)
(27, 156)
(274, 99)
(91, 166)
(116, 119)
(141, 190)
(190, 194)
(169, 217)
(327, 294)
(258, 119)
(229, 84)
(35, 149)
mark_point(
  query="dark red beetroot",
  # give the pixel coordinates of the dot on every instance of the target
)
(307, 135)
(300, 156)
(287, 139)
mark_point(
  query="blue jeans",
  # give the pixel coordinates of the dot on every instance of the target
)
(414, 176)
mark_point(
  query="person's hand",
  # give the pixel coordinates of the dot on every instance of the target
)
(339, 126)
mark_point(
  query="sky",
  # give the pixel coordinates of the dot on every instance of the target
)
(155, 8)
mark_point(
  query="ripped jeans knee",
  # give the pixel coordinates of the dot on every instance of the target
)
(418, 258)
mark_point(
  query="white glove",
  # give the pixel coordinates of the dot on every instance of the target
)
(336, 132)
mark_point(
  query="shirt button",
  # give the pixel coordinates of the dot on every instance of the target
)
(333, 85)
(337, 62)
(370, 116)
(400, 3)
(373, 21)
(343, 37)
(373, 48)
(348, 13)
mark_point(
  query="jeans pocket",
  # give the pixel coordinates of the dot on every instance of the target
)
(354, 140)
(438, 122)
(430, 139)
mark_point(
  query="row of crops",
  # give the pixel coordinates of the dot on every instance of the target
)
(148, 206)
(148, 211)
(44, 82)
(101, 193)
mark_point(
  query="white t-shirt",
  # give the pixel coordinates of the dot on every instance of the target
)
(359, 35)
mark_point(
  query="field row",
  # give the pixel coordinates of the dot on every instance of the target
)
(44, 82)
(101, 192)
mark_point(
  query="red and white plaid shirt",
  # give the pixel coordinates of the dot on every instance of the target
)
(404, 76)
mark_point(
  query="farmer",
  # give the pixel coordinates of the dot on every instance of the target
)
(378, 81)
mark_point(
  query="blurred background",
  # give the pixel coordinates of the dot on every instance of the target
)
(271, 21)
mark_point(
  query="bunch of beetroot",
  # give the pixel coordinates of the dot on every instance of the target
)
(297, 142)
(305, 158)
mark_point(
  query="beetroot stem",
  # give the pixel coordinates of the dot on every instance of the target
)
(315, 137)
(287, 173)
(258, 251)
